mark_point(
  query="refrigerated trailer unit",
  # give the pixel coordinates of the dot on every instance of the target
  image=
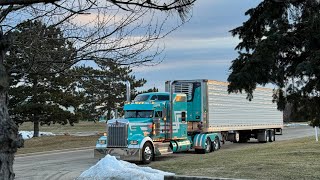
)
(191, 114)
(237, 118)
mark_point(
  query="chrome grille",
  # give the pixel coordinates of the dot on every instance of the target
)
(117, 135)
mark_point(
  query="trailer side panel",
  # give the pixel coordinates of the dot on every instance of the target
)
(228, 112)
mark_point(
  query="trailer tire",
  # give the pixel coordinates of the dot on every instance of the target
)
(267, 137)
(271, 135)
(147, 153)
(236, 137)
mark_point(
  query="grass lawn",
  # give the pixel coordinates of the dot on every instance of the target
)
(50, 143)
(59, 142)
(82, 126)
(292, 159)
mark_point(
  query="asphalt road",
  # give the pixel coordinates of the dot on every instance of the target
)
(70, 164)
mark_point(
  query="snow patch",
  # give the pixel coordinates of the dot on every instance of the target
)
(29, 134)
(111, 168)
(295, 124)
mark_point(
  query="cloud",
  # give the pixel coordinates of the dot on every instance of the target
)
(183, 64)
(201, 43)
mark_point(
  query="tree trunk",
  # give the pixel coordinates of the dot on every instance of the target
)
(108, 115)
(36, 128)
(8, 132)
(35, 116)
(10, 140)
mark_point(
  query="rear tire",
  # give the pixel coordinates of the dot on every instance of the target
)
(237, 137)
(216, 144)
(147, 153)
(272, 135)
(267, 137)
(209, 147)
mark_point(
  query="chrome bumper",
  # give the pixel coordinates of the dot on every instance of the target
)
(120, 153)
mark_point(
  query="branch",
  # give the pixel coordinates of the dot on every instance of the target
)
(24, 2)
(148, 4)
(5, 12)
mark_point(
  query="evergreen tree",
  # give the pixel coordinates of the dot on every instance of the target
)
(280, 44)
(39, 93)
(104, 88)
(154, 89)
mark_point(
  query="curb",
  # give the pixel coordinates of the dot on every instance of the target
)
(177, 177)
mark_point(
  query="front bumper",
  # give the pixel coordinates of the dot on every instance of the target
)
(127, 154)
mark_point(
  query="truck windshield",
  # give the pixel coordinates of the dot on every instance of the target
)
(138, 114)
(141, 98)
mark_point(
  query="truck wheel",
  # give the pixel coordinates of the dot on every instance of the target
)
(271, 136)
(267, 137)
(209, 147)
(236, 137)
(216, 144)
(147, 153)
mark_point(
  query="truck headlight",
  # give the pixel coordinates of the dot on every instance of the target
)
(134, 142)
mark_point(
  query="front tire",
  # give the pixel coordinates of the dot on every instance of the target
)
(147, 153)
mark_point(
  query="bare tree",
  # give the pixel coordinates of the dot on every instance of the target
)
(122, 29)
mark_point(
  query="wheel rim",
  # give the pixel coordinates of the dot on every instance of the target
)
(237, 137)
(147, 153)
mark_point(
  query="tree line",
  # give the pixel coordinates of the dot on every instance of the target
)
(122, 30)
(42, 94)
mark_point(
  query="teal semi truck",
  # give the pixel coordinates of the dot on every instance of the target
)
(196, 115)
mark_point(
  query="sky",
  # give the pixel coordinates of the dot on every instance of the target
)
(203, 48)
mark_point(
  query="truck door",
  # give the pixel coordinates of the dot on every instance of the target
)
(179, 120)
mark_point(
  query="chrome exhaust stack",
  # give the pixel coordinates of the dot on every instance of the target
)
(128, 87)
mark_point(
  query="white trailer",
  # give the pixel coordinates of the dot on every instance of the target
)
(237, 118)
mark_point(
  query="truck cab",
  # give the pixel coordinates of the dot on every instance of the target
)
(147, 128)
